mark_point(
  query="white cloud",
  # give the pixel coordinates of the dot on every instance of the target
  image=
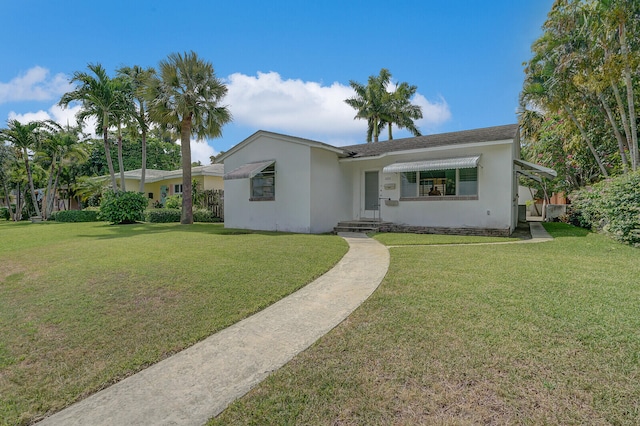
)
(433, 113)
(269, 102)
(34, 85)
(308, 109)
(201, 151)
(62, 116)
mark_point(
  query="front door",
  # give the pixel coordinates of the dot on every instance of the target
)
(371, 195)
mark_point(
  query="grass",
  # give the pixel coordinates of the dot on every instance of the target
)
(391, 239)
(494, 334)
(85, 305)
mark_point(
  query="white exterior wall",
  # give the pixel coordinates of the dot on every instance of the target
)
(493, 209)
(290, 211)
(330, 191)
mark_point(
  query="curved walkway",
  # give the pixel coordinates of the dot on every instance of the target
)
(198, 383)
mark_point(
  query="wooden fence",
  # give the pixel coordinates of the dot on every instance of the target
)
(214, 201)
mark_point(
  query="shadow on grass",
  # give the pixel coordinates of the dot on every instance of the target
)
(561, 230)
(130, 230)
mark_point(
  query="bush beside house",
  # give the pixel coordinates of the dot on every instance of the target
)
(612, 207)
(123, 207)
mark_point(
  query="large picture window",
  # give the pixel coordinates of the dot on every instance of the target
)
(263, 184)
(450, 182)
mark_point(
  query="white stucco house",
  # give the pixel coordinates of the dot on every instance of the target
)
(463, 182)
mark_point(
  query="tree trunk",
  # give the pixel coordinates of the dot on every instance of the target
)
(585, 138)
(107, 153)
(143, 172)
(55, 188)
(185, 146)
(31, 187)
(622, 112)
(390, 131)
(123, 185)
(616, 132)
(48, 194)
(7, 201)
(17, 217)
(634, 149)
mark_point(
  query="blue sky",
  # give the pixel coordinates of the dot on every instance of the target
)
(287, 63)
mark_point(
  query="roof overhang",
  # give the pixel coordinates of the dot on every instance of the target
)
(535, 169)
(248, 170)
(439, 164)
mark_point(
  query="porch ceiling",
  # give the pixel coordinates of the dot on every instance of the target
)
(536, 168)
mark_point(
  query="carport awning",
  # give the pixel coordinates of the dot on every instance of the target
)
(248, 170)
(440, 164)
(536, 169)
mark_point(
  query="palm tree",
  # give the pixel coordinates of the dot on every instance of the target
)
(185, 97)
(372, 102)
(402, 111)
(60, 149)
(24, 138)
(7, 160)
(100, 98)
(138, 78)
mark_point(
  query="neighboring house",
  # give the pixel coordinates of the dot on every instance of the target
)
(462, 182)
(159, 184)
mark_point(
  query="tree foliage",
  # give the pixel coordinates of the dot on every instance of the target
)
(580, 90)
(101, 97)
(161, 155)
(381, 107)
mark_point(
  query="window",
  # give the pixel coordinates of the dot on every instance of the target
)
(177, 188)
(150, 195)
(468, 181)
(263, 184)
(450, 182)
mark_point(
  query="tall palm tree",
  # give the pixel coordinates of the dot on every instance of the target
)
(100, 98)
(185, 96)
(24, 138)
(402, 111)
(372, 102)
(138, 78)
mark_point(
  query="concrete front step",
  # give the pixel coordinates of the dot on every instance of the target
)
(358, 226)
(337, 229)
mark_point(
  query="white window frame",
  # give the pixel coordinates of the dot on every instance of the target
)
(443, 196)
(263, 185)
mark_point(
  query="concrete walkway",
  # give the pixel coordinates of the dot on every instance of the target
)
(198, 383)
(538, 233)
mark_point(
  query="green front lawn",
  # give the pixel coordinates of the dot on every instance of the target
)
(85, 305)
(544, 333)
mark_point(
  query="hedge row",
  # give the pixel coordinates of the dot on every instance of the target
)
(612, 207)
(173, 215)
(75, 216)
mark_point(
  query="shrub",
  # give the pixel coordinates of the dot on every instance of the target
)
(75, 216)
(612, 207)
(4, 213)
(204, 215)
(173, 202)
(123, 207)
(163, 215)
